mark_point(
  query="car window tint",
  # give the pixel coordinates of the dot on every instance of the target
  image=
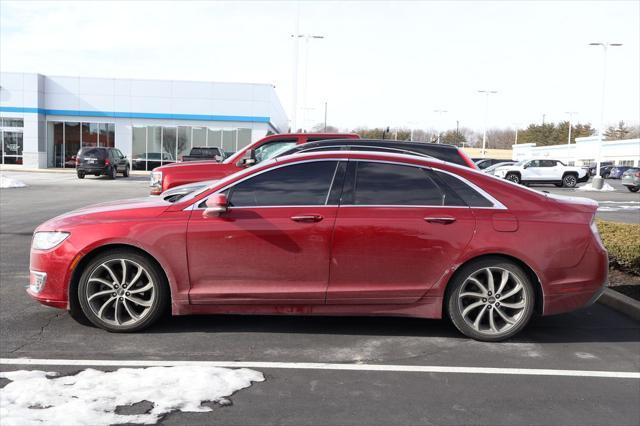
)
(458, 193)
(295, 185)
(548, 163)
(393, 184)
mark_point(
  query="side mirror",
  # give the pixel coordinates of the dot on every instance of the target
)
(217, 204)
(526, 166)
(218, 158)
(249, 159)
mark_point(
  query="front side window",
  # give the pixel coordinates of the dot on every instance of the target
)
(305, 184)
(394, 184)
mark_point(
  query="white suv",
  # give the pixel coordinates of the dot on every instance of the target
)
(543, 171)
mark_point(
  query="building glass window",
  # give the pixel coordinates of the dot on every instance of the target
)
(198, 136)
(89, 135)
(66, 138)
(214, 138)
(139, 148)
(11, 140)
(184, 141)
(229, 139)
(169, 144)
(12, 122)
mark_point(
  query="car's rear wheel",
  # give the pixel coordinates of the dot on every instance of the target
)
(490, 300)
(513, 177)
(570, 181)
(112, 172)
(122, 291)
(633, 188)
(80, 174)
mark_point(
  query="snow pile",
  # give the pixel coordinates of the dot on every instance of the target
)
(589, 187)
(91, 396)
(7, 182)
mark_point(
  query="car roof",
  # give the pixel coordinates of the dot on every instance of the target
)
(445, 152)
(365, 155)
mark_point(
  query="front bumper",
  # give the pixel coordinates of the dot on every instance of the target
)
(57, 264)
(584, 178)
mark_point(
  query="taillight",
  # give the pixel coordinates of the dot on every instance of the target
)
(637, 174)
(107, 162)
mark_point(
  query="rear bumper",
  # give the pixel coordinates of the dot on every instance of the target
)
(579, 286)
(92, 169)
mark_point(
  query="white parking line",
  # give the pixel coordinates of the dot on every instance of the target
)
(324, 366)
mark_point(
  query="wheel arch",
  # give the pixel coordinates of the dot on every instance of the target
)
(533, 276)
(74, 303)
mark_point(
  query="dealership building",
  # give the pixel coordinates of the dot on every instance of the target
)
(45, 120)
(584, 151)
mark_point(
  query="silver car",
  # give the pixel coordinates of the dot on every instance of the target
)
(631, 179)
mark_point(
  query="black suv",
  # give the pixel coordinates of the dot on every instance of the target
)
(442, 152)
(101, 161)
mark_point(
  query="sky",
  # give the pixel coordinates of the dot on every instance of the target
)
(380, 63)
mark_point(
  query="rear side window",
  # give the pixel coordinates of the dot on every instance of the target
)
(458, 193)
(394, 184)
(305, 184)
(93, 152)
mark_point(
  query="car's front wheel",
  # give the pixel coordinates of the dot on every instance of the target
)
(490, 300)
(126, 172)
(122, 291)
(80, 174)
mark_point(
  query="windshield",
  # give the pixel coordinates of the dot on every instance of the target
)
(272, 150)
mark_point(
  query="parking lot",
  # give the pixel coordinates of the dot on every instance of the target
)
(595, 339)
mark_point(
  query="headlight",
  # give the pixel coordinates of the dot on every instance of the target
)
(48, 240)
(155, 182)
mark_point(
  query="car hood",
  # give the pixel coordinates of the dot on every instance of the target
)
(204, 164)
(113, 211)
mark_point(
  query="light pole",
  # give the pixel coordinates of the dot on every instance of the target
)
(296, 59)
(570, 113)
(597, 179)
(486, 118)
(440, 112)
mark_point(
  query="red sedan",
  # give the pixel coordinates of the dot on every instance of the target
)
(330, 233)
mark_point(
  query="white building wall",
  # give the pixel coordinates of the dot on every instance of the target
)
(583, 152)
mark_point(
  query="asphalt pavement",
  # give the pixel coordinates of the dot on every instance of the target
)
(592, 339)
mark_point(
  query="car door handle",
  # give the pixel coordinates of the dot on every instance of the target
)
(444, 220)
(307, 218)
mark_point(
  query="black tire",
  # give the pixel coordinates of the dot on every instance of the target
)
(633, 188)
(80, 174)
(158, 295)
(112, 172)
(455, 302)
(126, 172)
(513, 177)
(570, 180)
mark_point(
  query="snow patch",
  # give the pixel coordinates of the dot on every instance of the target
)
(589, 187)
(7, 182)
(91, 396)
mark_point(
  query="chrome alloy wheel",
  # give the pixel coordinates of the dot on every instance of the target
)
(492, 300)
(120, 292)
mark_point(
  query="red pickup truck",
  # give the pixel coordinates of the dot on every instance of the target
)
(170, 175)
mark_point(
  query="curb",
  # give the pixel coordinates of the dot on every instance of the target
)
(621, 303)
